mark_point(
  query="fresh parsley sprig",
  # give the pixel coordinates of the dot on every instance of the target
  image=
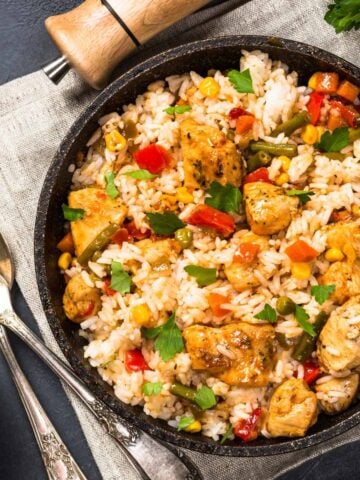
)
(303, 195)
(151, 388)
(164, 223)
(111, 189)
(72, 214)
(322, 292)
(177, 109)
(204, 276)
(241, 81)
(344, 15)
(226, 198)
(120, 280)
(335, 141)
(169, 339)
(140, 174)
(268, 313)
(303, 319)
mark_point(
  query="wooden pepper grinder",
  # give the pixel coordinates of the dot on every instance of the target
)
(98, 34)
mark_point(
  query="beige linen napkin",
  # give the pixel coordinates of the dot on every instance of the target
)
(35, 115)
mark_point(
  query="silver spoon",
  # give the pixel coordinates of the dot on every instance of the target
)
(151, 459)
(57, 459)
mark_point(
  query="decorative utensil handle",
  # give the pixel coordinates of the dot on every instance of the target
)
(58, 461)
(98, 34)
(151, 459)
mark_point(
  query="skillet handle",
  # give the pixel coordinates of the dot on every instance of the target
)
(152, 460)
(98, 34)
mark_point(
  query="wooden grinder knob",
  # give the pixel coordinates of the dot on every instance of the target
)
(97, 35)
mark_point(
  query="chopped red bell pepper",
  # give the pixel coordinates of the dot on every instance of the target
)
(314, 106)
(259, 175)
(347, 112)
(121, 236)
(88, 311)
(135, 233)
(300, 251)
(107, 289)
(237, 112)
(135, 361)
(247, 253)
(246, 429)
(311, 371)
(153, 158)
(209, 217)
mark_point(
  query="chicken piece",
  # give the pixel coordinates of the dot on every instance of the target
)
(331, 402)
(346, 237)
(345, 277)
(158, 252)
(208, 156)
(242, 275)
(339, 341)
(268, 209)
(80, 301)
(100, 212)
(237, 354)
(292, 409)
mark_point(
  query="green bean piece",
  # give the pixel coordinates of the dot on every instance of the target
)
(287, 149)
(297, 121)
(306, 344)
(259, 159)
(334, 155)
(354, 134)
(130, 130)
(183, 391)
(285, 343)
(184, 236)
(99, 243)
(285, 306)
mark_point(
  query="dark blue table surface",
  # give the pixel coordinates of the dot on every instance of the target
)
(25, 47)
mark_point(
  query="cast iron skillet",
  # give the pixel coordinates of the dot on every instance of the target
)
(221, 53)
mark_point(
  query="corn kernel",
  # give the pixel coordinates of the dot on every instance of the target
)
(64, 260)
(184, 195)
(171, 199)
(194, 427)
(300, 270)
(285, 162)
(313, 80)
(334, 255)
(114, 141)
(209, 87)
(320, 131)
(281, 179)
(141, 314)
(309, 135)
(355, 209)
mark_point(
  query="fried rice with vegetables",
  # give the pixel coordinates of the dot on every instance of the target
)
(211, 250)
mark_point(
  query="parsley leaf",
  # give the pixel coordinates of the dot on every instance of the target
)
(268, 313)
(227, 434)
(169, 340)
(120, 280)
(164, 223)
(302, 317)
(185, 422)
(72, 214)
(225, 198)
(205, 398)
(322, 292)
(111, 190)
(140, 174)
(151, 388)
(204, 276)
(344, 15)
(303, 195)
(335, 141)
(177, 109)
(241, 81)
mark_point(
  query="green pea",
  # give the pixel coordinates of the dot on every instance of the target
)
(285, 306)
(184, 236)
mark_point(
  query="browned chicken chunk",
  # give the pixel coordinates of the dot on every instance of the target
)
(337, 394)
(80, 300)
(158, 251)
(238, 354)
(100, 212)
(292, 409)
(345, 277)
(241, 275)
(208, 156)
(268, 209)
(339, 341)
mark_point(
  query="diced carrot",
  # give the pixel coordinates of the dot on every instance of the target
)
(247, 253)
(66, 244)
(244, 123)
(324, 82)
(215, 301)
(347, 112)
(335, 120)
(300, 251)
(348, 90)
